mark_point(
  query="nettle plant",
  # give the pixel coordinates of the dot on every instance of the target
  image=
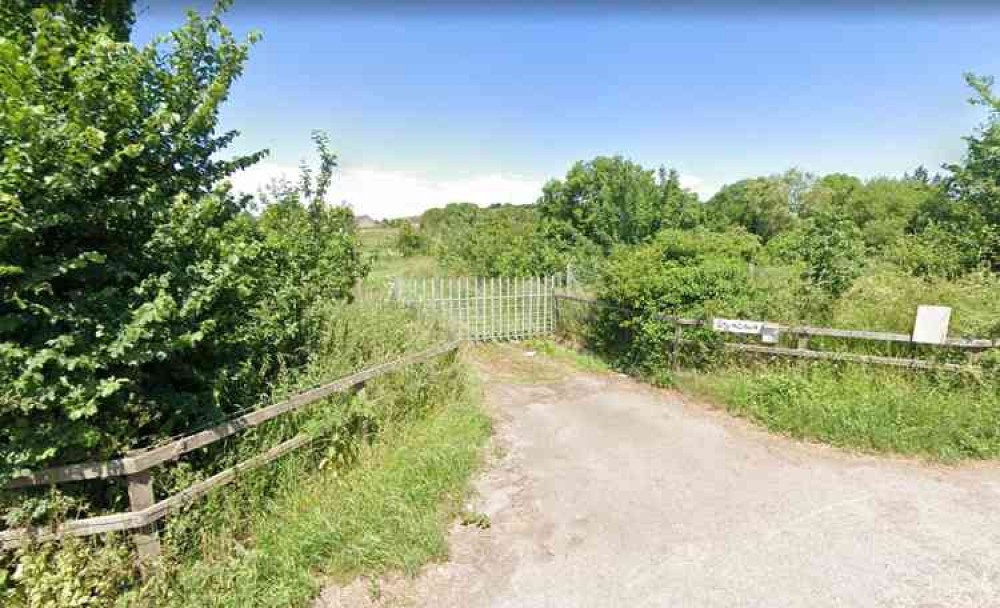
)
(127, 273)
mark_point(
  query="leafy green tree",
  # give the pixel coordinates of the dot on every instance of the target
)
(502, 241)
(973, 205)
(126, 271)
(117, 15)
(832, 247)
(410, 241)
(439, 223)
(311, 253)
(882, 208)
(760, 205)
(610, 200)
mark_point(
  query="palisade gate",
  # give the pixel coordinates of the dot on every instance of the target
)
(485, 309)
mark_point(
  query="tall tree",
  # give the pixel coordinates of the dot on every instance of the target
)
(611, 200)
(760, 205)
(126, 270)
(117, 15)
(971, 209)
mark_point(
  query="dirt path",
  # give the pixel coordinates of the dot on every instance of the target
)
(607, 492)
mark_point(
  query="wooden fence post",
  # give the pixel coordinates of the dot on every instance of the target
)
(678, 336)
(140, 496)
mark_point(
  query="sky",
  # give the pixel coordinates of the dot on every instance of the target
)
(430, 103)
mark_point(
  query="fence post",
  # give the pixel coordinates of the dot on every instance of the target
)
(678, 335)
(556, 319)
(140, 497)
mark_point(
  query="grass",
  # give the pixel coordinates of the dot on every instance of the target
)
(580, 359)
(390, 512)
(388, 263)
(937, 417)
(340, 508)
(419, 266)
(940, 418)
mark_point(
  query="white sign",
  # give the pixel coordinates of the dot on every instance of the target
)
(770, 333)
(931, 326)
(737, 326)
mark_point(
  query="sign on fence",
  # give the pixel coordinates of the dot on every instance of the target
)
(737, 326)
(768, 332)
(931, 326)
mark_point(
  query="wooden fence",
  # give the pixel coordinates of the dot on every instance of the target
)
(802, 335)
(136, 467)
(480, 309)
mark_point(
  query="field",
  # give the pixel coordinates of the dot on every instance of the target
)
(387, 261)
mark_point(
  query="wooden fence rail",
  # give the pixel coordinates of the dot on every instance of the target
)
(805, 332)
(136, 467)
(479, 310)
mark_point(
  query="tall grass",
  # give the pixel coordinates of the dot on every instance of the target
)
(372, 492)
(938, 417)
(887, 301)
(388, 512)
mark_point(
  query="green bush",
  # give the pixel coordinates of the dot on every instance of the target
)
(410, 241)
(214, 535)
(126, 277)
(688, 273)
(501, 241)
(140, 298)
(610, 201)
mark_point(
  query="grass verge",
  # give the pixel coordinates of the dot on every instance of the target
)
(388, 512)
(579, 359)
(943, 418)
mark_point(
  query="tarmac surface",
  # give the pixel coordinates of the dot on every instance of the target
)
(603, 491)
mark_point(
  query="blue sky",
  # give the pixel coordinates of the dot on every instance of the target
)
(427, 106)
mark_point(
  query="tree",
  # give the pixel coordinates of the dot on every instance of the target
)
(883, 208)
(128, 269)
(117, 15)
(610, 200)
(973, 205)
(311, 252)
(832, 248)
(760, 205)
(505, 240)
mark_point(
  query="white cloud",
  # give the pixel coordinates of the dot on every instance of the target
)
(381, 193)
(699, 186)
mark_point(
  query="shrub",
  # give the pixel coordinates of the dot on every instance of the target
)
(127, 275)
(610, 201)
(687, 273)
(761, 206)
(410, 241)
(502, 241)
(833, 252)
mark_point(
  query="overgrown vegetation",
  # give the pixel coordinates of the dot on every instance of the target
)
(142, 299)
(945, 418)
(794, 248)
